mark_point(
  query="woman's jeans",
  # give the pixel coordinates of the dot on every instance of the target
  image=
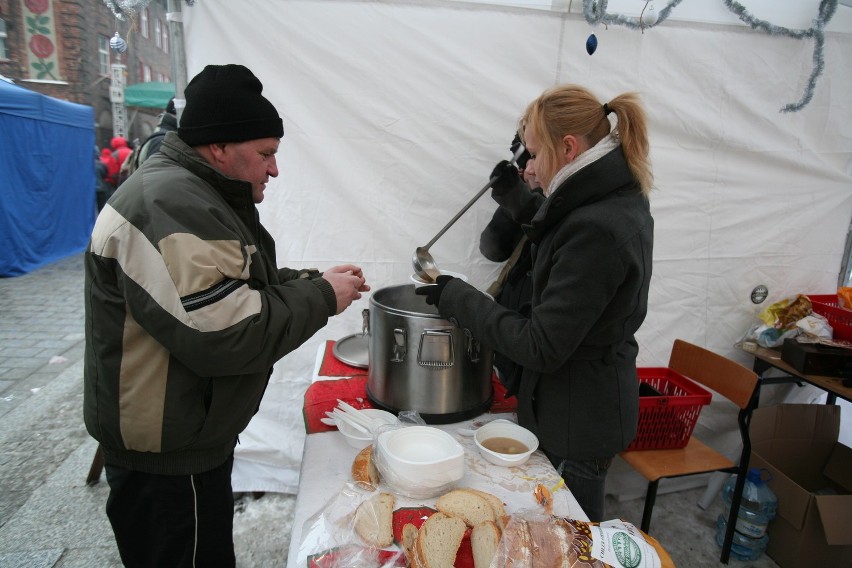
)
(586, 481)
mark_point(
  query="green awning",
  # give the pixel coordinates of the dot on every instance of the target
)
(149, 95)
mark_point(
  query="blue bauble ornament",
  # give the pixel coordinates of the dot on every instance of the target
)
(117, 43)
(591, 44)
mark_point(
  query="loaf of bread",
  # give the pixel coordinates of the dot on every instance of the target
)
(556, 542)
(471, 507)
(374, 520)
(364, 471)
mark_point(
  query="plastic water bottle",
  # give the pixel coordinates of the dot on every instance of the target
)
(743, 547)
(758, 506)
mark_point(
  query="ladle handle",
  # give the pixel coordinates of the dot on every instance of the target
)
(479, 194)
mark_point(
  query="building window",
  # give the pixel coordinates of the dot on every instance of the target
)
(143, 23)
(103, 55)
(166, 38)
(3, 53)
(158, 38)
(146, 75)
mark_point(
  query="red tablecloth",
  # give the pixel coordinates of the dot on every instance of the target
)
(322, 395)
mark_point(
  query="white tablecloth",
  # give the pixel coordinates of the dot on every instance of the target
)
(326, 466)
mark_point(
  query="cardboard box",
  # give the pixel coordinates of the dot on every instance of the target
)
(812, 478)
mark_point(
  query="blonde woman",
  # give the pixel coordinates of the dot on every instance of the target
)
(592, 235)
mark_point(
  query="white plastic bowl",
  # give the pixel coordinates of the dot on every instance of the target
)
(419, 461)
(505, 429)
(418, 282)
(359, 440)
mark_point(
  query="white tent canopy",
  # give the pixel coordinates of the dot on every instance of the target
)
(395, 113)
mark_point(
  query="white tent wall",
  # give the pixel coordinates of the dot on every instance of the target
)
(396, 112)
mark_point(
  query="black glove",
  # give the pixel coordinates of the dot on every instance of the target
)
(433, 292)
(505, 176)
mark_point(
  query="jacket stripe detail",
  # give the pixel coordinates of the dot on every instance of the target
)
(142, 388)
(162, 276)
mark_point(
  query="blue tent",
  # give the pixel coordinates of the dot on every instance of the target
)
(47, 178)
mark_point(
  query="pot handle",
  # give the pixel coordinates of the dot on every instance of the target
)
(472, 347)
(365, 324)
(436, 349)
(399, 339)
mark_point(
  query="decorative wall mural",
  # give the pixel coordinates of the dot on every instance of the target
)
(42, 59)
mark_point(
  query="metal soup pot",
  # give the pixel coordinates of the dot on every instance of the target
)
(419, 361)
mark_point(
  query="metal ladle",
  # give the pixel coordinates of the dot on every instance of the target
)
(424, 264)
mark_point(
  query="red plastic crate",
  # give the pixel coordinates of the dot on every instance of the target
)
(828, 306)
(667, 421)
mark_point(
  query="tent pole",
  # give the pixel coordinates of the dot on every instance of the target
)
(175, 19)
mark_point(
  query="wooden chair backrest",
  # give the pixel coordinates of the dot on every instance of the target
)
(726, 377)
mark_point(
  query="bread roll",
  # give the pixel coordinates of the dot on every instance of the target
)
(364, 471)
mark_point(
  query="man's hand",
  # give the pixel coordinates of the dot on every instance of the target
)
(433, 292)
(348, 282)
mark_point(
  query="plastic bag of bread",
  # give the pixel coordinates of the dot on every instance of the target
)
(352, 530)
(535, 540)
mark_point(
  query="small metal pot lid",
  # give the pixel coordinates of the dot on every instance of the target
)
(353, 350)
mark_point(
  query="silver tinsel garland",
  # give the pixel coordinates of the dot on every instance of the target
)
(128, 8)
(595, 12)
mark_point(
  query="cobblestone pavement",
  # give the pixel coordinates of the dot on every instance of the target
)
(48, 515)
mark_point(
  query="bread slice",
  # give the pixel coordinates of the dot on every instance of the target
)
(374, 520)
(438, 541)
(497, 506)
(484, 539)
(364, 471)
(409, 538)
(473, 509)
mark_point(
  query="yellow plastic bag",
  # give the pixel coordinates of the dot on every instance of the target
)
(784, 314)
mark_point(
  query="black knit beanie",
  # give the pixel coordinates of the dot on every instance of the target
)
(224, 104)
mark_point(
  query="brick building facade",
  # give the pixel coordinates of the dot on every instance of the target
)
(61, 48)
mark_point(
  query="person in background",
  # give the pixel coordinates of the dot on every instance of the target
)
(503, 240)
(112, 168)
(118, 152)
(166, 123)
(592, 244)
(186, 313)
(102, 188)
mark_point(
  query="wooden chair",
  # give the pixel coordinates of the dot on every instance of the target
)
(730, 380)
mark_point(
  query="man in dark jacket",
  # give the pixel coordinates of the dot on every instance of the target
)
(186, 312)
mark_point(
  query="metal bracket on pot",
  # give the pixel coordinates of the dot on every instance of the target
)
(365, 325)
(399, 337)
(472, 346)
(436, 349)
